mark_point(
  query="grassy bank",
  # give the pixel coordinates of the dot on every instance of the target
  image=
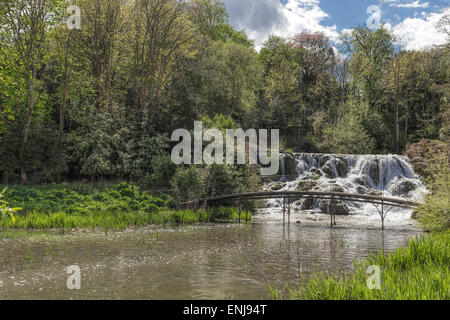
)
(420, 271)
(117, 207)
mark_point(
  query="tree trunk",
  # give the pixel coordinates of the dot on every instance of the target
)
(26, 131)
(406, 124)
(66, 76)
(397, 131)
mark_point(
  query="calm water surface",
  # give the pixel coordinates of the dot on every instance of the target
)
(220, 261)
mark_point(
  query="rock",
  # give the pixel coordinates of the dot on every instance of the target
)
(336, 207)
(306, 185)
(421, 154)
(307, 204)
(333, 188)
(341, 167)
(312, 176)
(290, 166)
(323, 160)
(328, 170)
(362, 181)
(404, 188)
(277, 186)
(374, 173)
(373, 192)
(361, 190)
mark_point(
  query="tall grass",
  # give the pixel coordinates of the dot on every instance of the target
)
(420, 271)
(116, 207)
(114, 220)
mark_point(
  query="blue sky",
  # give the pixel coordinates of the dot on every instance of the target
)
(413, 21)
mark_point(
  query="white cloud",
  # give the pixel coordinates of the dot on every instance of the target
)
(260, 18)
(415, 4)
(419, 33)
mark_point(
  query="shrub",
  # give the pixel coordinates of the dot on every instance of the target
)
(434, 214)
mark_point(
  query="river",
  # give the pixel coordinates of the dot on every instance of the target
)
(213, 261)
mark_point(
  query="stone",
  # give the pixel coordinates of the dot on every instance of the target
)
(422, 154)
(307, 204)
(361, 181)
(404, 188)
(328, 170)
(373, 192)
(337, 207)
(334, 188)
(277, 186)
(374, 173)
(290, 166)
(324, 160)
(306, 185)
(341, 167)
(361, 190)
(312, 176)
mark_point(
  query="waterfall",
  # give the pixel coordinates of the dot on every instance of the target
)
(387, 175)
(283, 169)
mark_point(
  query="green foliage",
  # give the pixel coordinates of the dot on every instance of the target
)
(123, 197)
(188, 183)
(118, 207)
(348, 135)
(417, 272)
(434, 213)
(5, 210)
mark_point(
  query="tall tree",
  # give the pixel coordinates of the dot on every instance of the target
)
(26, 23)
(162, 32)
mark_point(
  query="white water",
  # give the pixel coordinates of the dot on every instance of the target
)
(387, 175)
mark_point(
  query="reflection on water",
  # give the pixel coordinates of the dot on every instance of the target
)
(224, 261)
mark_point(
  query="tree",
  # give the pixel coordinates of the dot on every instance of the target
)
(96, 44)
(230, 75)
(371, 53)
(161, 33)
(26, 23)
(282, 82)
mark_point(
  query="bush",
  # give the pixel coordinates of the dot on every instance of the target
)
(188, 183)
(348, 135)
(434, 214)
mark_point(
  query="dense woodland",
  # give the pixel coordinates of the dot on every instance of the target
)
(102, 101)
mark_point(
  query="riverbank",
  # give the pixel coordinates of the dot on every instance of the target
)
(116, 207)
(419, 271)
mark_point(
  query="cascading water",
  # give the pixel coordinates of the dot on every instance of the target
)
(383, 175)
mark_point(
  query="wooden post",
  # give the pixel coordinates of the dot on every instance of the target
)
(334, 212)
(246, 213)
(382, 213)
(289, 210)
(284, 210)
(239, 210)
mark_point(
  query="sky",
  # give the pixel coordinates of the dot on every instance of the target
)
(412, 21)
